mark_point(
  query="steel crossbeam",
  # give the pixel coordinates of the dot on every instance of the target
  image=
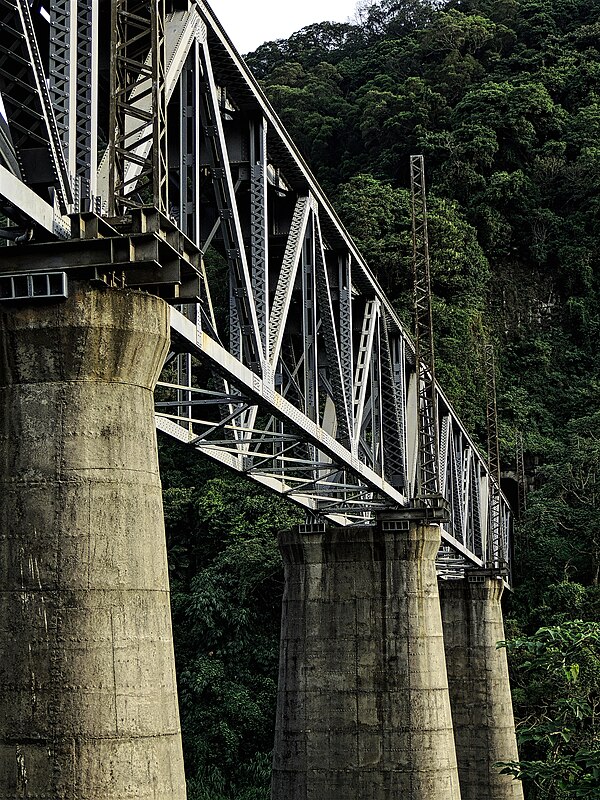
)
(288, 362)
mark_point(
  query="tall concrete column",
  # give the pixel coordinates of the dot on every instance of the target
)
(482, 712)
(363, 708)
(88, 702)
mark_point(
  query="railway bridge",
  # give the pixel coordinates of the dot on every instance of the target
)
(171, 264)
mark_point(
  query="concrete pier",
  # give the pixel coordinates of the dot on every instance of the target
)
(88, 702)
(363, 707)
(482, 712)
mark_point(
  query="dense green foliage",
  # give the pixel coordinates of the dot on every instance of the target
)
(226, 583)
(503, 99)
(556, 685)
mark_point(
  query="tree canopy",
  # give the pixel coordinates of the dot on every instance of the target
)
(502, 97)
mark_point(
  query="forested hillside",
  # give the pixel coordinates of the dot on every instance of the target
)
(502, 97)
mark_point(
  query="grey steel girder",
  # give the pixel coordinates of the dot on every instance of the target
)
(289, 365)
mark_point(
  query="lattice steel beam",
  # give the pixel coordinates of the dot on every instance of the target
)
(138, 107)
(393, 432)
(287, 277)
(242, 305)
(427, 482)
(332, 350)
(28, 103)
(259, 235)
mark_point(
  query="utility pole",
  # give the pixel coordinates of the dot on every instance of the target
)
(493, 446)
(496, 555)
(521, 476)
(427, 490)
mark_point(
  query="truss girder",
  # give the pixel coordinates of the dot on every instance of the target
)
(344, 295)
(189, 151)
(83, 122)
(241, 295)
(363, 364)
(138, 129)
(28, 102)
(62, 68)
(287, 276)
(289, 364)
(309, 341)
(332, 349)
(259, 234)
(73, 86)
(392, 404)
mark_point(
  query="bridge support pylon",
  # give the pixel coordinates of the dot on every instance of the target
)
(363, 706)
(88, 702)
(482, 712)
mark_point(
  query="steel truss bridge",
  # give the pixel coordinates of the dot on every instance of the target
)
(137, 150)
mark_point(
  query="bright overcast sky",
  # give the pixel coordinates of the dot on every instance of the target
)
(249, 23)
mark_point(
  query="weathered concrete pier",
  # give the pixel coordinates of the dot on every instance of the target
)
(363, 707)
(88, 707)
(484, 727)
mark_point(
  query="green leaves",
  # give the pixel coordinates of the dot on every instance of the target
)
(563, 519)
(576, 777)
(556, 681)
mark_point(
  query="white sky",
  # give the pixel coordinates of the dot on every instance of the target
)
(249, 23)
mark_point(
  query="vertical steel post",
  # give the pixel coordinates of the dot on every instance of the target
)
(138, 108)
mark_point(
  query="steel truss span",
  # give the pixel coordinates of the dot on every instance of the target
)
(137, 150)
